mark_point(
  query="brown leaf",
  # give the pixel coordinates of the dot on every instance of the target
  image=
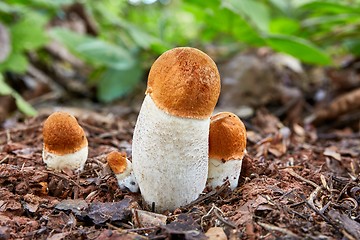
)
(332, 152)
(216, 233)
(76, 206)
(184, 227)
(148, 219)
(99, 213)
(341, 105)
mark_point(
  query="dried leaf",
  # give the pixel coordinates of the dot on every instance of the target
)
(343, 104)
(74, 205)
(216, 233)
(184, 227)
(99, 213)
(148, 219)
(331, 152)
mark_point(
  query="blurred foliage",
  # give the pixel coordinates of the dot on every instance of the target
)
(131, 34)
(23, 106)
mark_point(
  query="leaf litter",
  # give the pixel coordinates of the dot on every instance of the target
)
(293, 186)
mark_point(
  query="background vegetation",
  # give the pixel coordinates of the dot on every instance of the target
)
(131, 34)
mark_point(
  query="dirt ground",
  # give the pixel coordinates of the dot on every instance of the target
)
(295, 184)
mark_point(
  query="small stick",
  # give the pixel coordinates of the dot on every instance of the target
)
(319, 213)
(63, 177)
(294, 174)
(230, 224)
(121, 230)
(4, 159)
(272, 228)
(208, 195)
(313, 196)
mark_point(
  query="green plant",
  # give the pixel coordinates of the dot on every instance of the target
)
(131, 36)
(23, 106)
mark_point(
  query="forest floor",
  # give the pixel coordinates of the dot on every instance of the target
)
(293, 186)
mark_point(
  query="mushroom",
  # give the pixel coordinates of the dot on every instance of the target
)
(227, 143)
(122, 169)
(170, 142)
(65, 142)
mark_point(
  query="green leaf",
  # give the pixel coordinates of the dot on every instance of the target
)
(6, 8)
(257, 12)
(142, 38)
(332, 19)
(299, 48)
(21, 104)
(284, 6)
(29, 32)
(353, 45)
(24, 106)
(329, 7)
(284, 26)
(16, 62)
(4, 88)
(116, 83)
(93, 50)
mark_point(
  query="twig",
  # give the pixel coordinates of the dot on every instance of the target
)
(222, 219)
(319, 213)
(342, 191)
(76, 189)
(273, 228)
(121, 230)
(313, 196)
(294, 174)
(63, 177)
(4, 159)
(208, 195)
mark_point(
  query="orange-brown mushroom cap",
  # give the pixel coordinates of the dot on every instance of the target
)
(184, 82)
(62, 134)
(227, 137)
(117, 161)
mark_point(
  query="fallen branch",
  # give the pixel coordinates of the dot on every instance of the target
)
(273, 228)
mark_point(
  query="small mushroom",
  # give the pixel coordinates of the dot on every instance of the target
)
(65, 142)
(122, 169)
(170, 142)
(227, 146)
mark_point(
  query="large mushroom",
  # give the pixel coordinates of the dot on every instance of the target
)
(65, 142)
(170, 142)
(227, 146)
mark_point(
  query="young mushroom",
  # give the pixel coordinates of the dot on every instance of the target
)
(170, 142)
(65, 142)
(227, 143)
(122, 169)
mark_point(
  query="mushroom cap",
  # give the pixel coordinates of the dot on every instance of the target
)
(62, 134)
(227, 137)
(117, 161)
(184, 82)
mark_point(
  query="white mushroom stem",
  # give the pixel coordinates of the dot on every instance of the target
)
(74, 160)
(220, 172)
(170, 155)
(127, 178)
